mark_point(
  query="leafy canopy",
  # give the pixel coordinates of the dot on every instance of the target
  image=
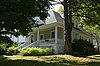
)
(16, 15)
(87, 10)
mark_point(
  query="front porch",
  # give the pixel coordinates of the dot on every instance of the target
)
(47, 36)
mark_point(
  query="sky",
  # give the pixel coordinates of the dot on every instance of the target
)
(56, 7)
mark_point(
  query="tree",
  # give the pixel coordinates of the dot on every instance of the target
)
(16, 16)
(87, 10)
(92, 29)
(95, 31)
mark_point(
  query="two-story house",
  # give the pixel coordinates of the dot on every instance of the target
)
(51, 34)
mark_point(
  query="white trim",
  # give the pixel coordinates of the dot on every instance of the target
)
(56, 34)
(38, 34)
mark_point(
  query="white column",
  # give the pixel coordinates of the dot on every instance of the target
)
(56, 37)
(56, 34)
(38, 34)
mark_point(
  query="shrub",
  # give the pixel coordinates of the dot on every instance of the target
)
(7, 48)
(47, 51)
(36, 51)
(3, 48)
(82, 47)
(11, 51)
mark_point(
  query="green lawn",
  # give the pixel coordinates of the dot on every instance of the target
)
(54, 60)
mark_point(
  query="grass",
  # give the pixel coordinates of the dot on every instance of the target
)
(53, 60)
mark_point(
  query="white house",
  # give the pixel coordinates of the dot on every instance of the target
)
(51, 34)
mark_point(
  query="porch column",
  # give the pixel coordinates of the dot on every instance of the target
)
(56, 34)
(38, 35)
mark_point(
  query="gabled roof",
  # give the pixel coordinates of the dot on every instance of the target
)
(53, 17)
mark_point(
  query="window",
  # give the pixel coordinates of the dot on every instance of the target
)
(41, 36)
(52, 34)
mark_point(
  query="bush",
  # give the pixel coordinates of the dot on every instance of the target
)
(36, 51)
(3, 48)
(11, 51)
(7, 48)
(47, 51)
(82, 47)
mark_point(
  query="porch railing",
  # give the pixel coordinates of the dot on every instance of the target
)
(46, 42)
(50, 41)
(41, 43)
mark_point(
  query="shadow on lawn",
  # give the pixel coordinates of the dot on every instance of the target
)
(5, 62)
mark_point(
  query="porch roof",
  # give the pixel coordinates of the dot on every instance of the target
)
(47, 26)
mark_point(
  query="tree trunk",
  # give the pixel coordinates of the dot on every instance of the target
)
(70, 25)
(68, 28)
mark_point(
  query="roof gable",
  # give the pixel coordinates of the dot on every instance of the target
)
(54, 17)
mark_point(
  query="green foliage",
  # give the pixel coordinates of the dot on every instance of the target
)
(94, 30)
(82, 47)
(47, 51)
(16, 16)
(11, 51)
(36, 51)
(15, 44)
(5, 39)
(87, 10)
(2, 50)
(8, 48)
